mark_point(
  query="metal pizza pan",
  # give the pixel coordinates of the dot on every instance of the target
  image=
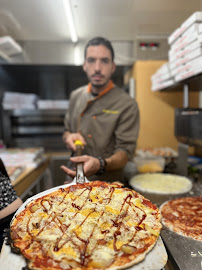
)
(154, 260)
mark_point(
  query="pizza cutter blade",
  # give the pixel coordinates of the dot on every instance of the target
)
(80, 177)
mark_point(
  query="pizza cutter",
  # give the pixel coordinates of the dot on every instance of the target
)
(80, 177)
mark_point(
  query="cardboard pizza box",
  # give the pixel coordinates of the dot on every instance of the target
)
(194, 18)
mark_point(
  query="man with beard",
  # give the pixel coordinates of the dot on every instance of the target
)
(103, 117)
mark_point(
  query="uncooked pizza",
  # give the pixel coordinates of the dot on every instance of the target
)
(184, 216)
(87, 226)
(161, 183)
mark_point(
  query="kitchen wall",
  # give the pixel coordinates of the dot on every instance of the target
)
(151, 53)
(157, 108)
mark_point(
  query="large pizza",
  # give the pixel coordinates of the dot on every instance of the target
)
(184, 216)
(94, 225)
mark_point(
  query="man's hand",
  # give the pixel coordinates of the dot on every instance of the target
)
(70, 138)
(91, 165)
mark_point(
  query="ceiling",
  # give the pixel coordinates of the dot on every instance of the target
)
(118, 20)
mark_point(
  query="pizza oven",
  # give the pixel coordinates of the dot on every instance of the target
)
(36, 128)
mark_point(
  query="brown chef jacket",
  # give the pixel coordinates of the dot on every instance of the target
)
(108, 122)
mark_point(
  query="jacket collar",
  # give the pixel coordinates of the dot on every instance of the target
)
(109, 86)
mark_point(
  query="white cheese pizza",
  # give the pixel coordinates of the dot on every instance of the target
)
(161, 183)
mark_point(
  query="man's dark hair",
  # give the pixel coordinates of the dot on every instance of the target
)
(100, 41)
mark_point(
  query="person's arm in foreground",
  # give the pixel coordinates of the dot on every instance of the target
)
(11, 208)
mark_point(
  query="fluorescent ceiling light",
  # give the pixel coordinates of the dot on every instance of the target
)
(70, 18)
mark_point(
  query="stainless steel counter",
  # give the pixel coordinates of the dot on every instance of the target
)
(183, 252)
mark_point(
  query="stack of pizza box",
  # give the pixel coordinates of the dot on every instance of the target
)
(162, 78)
(16, 160)
(184, 55)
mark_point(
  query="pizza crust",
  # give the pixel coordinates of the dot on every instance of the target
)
(134, 261)
(127, 215)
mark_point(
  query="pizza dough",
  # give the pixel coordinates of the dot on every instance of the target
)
(161, 183)
(184, 216)
(93, 225)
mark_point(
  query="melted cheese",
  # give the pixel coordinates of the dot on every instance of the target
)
(151, 231)
(99, 223)
(112, 210)
(161, 183)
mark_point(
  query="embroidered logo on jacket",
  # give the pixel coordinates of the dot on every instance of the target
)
(109, 111)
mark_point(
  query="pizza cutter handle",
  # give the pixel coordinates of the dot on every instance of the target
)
(80, 178)
(79, 147)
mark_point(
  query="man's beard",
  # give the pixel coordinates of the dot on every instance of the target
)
(99, 85)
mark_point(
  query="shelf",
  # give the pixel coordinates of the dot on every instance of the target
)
(194, 83)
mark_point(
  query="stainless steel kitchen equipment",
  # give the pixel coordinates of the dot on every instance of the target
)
(188, 128)
(184, 253)
(37, 128)
(188, 131)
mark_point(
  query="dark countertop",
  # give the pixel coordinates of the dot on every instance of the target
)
(184, 253)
